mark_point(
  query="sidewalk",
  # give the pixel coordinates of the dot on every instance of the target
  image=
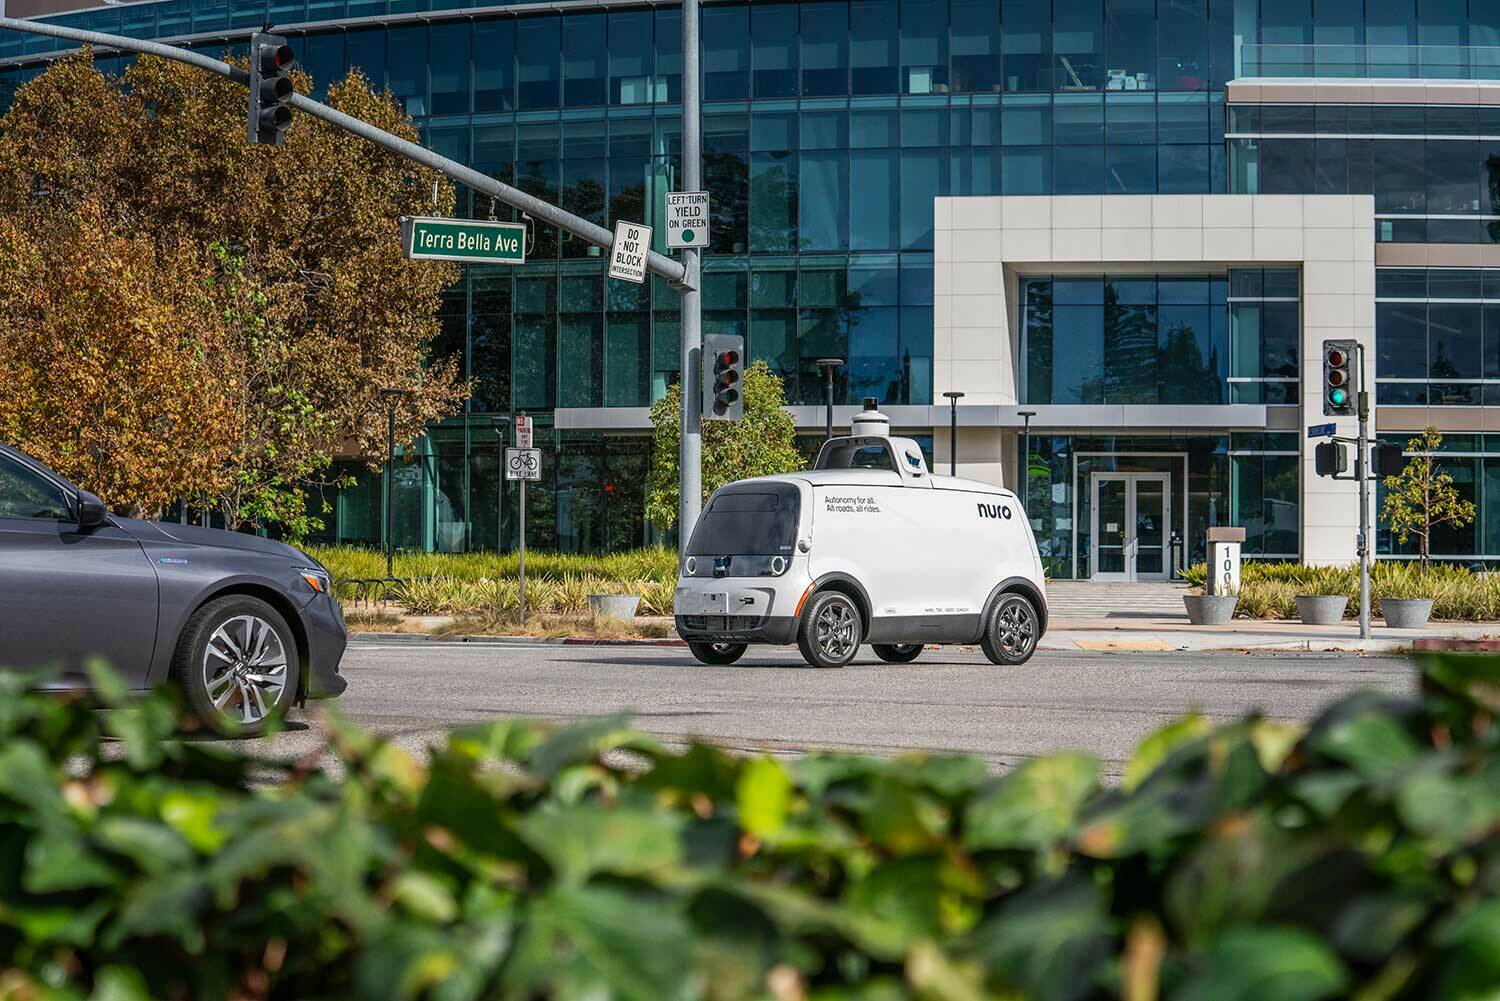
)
(1252, 634)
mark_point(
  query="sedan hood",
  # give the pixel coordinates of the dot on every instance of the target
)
(167, 533)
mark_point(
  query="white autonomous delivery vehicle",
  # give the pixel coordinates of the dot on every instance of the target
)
(867, 547)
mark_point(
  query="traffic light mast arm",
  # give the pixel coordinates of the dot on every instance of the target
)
(542, 211)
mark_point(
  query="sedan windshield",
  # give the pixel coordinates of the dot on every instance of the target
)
(758, 520)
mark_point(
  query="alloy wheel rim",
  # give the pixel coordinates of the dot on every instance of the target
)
(1017, 628)
(245, 669)
(904, 647)
(835, 630)
(723, 647)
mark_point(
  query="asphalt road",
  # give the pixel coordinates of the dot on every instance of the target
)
(949, 700)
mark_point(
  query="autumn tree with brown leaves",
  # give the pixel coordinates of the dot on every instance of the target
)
(184, 314)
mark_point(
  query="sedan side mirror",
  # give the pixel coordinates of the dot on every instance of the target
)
(91, 510)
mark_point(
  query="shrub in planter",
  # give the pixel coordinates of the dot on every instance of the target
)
(1209, 609)
(1321, 609)
(1404, 596)
(1358, 856)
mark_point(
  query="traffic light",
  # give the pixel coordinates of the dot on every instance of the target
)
(271, 62)
(723, 377)
(1387, 460)
(1330, 458)
(1340, 378)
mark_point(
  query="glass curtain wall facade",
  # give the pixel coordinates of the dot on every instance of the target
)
(829, 127)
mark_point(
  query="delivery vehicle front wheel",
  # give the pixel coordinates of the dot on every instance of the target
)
(830, 631)
(1011, 634)
(897, 653)
(717, 653)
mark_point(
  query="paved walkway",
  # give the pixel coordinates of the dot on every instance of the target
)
(1248, 634)
(1085, 599)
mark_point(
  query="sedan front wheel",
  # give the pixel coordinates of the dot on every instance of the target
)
(238, 666)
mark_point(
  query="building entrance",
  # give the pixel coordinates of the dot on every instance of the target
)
(1131, 516)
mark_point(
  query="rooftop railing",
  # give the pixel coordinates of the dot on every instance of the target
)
(1372, 62)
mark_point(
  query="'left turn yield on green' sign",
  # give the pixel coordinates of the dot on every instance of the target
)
(429, 239)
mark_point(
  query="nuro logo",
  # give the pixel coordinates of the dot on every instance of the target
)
(994, 510)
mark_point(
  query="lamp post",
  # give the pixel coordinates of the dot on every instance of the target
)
(1026, 416)
(953, 398)
(828, 365)
(392, 396)
(500, 423)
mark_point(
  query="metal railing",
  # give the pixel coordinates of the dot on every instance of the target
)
(1371, 62)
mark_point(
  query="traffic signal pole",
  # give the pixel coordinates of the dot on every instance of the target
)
(690, 444)
(682, 276)
(1362, 466)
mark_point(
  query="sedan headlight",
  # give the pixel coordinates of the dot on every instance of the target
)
(318, 580)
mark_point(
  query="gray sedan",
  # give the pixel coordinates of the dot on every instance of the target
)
(245, 626)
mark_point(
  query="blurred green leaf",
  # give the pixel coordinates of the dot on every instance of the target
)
(426, 896)
(763, 796)
(1151, 752)
(1254, 964)
(154, 848)
(26, 776)
(584, 742)
(60, 860)
(583, 839)
(591, 942)
(1455, 808)
(1475, 679)
(117, 983)
(1372, 928)
(1034, 806)
(1050, 940)
(191, 813)
(1470, 967)
(1375, 746)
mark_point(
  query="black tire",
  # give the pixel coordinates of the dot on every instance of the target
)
(897, 653)
(255, 664)
(831, 630)
(717, 653)
(1012, 630)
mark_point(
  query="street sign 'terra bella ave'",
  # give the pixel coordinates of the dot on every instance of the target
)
(424, 238)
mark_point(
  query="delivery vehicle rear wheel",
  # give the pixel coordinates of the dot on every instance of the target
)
(1011, 634)
(830, 631)
(717, 653)
(897, 653)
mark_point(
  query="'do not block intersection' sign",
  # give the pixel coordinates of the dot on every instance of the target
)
(627, 258)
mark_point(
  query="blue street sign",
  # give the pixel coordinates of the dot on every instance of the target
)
(1321, 431)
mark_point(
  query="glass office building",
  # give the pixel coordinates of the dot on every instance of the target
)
(836, 132)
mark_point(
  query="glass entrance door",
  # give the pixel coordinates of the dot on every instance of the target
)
(1131, 515)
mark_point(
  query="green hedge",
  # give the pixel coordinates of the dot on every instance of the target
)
(348, 563)
(1359, 857)
(1269, 590)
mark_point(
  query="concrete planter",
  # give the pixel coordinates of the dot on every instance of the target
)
(613, 606)
(1321, 609)
(1210, 609)
(1406, 613)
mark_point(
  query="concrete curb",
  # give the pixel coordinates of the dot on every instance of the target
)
(510, 641)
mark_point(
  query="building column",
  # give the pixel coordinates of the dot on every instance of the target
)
(1338, 301)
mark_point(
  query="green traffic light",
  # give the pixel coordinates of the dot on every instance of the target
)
(1338, 397)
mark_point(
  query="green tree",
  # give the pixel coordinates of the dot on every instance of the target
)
(762, 443)
(1421, 497)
